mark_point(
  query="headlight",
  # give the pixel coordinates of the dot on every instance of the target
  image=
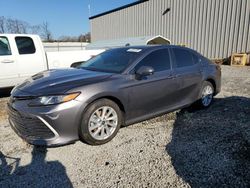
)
(55, 99)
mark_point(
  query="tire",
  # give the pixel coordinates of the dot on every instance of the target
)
(206, 95)
(96, 128)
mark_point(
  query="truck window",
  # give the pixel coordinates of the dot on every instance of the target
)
(4, 46)
(25, 45)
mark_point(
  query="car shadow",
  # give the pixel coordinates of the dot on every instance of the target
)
(39, 173)
(211, 147)
(5, 92)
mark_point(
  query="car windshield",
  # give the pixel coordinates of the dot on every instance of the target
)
(114, 60)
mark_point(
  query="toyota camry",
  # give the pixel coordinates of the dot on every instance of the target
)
(119, 87)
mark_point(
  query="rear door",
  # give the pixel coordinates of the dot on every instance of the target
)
(188, 72)
(8, 63)
(31, 57)
(154, 93)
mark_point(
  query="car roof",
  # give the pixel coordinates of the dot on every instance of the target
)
(151, 47)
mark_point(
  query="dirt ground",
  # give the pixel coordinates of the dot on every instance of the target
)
(205, 148)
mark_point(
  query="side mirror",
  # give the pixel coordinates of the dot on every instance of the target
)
(144, 71)
(76, 64)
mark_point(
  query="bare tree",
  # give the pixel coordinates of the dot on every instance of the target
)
(80, 38)
(68, 39)
(46, 33)
(24, 26)
(84, 37)
(9, 25)
(16, 26)
(2, 24)
(36, 29)
(88, 37)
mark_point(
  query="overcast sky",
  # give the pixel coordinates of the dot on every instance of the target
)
(65, 17)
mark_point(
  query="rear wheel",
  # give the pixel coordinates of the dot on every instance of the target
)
(101, 122)
(206, 95)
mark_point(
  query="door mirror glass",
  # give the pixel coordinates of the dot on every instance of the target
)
(144, 71)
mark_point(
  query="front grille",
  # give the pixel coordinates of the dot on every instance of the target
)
(29, 127)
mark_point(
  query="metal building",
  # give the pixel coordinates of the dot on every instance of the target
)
(215, 28)
(131, 41)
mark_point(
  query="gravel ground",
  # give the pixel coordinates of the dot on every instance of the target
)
(206, 148)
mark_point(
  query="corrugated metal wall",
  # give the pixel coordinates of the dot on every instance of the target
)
(215, 28)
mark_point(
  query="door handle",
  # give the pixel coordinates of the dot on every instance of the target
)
(176, 75)
(170, 77)
(7, 61)
(173, 76)
(201, 70)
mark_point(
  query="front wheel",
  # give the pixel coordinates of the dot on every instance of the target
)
(101, 122)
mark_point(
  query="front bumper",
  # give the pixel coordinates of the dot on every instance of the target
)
(53, 125)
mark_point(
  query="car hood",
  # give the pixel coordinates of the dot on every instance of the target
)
(57, 81)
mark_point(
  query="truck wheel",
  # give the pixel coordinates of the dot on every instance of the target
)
(101, 122)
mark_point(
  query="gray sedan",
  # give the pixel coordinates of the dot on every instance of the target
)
(119, 87)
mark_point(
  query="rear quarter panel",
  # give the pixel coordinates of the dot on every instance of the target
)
(212, 71)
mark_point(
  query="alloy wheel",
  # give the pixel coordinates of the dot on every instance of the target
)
(102, 123)
(207, 95)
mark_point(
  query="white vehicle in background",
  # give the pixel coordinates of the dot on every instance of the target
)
(22, 56)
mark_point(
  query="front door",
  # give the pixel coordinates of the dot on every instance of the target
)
(8, 63)
(153, 93)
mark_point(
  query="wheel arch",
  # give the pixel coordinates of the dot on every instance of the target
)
(115, 100)
(212, 81)
(110, 97)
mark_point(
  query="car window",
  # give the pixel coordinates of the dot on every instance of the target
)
(159, 60)
(25, 45)
(183, 57)
(196, 59)
(204, 59)
(114, 60)
(4, 46)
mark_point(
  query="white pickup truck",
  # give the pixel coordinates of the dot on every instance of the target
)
(22, 56)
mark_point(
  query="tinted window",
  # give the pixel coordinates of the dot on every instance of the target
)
(4, 46)
(196, 59)
(114, 60)
(159, 60)
(183, 57)
(25, 45)
(204, 59)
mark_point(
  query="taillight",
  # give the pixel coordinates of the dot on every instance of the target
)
(218, 67)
